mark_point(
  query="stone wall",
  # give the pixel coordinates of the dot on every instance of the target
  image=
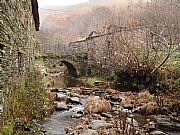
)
(17, 41)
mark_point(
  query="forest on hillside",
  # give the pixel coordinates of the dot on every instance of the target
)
(149, 41)
(67, 24)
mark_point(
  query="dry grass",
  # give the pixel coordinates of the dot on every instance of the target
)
(149, 108)
(52, 96)
(128, 100)
(143, 97)
(95, 105)
(104, 131)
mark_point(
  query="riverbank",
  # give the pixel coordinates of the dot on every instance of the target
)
(153, 114)
(131, 113)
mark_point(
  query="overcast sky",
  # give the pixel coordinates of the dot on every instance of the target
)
(43, 3)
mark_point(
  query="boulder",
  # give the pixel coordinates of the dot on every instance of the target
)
(61, 97)
(89, 132)
(78, 109)
(1, 108)
(72, 94)
(128, 106)
(96, 124)
(80, 112)
(156, 132)
(54, 90)
(151, 126)
(77, 115)
(75, 100)
(61, 106)
(62, 90)
(136, 110)
(166, 123)
(106, 115)
(132, 121)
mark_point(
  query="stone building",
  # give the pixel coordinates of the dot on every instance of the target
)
(19, 19)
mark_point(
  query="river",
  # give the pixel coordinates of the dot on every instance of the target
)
(60, 120)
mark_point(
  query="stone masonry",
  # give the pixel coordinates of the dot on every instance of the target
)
(19, 19)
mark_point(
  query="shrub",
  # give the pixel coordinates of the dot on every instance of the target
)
(132, 79)
(28, 101)
(7, 129)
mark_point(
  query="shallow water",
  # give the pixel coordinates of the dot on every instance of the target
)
(62, 82)
(59, 121)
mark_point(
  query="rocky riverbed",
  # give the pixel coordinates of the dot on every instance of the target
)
(94, 111)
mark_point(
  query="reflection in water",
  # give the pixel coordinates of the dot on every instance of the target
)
(68, 82)
(61, 120)
(56, 124)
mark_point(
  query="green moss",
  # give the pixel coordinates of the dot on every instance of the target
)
(8, 129)
(29, 101)
(174, 60)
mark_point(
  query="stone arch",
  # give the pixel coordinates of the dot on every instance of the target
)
(71, 69)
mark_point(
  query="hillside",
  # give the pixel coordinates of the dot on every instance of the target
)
(64, 13)
(66, 24)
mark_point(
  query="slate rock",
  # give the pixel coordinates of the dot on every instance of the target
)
(61, 106)
(156, 132)
(77, 116)
(75, 100)
(106, 115)
(96, 124)
(151, 126)
(54, 90)
(166, 123)
(132, 121)
(61, 97)
(1, 108)
(89, 132)
(128, 106)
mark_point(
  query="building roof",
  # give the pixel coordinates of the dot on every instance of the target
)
(35, 13)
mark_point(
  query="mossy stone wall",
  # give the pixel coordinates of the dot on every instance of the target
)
(17, 41)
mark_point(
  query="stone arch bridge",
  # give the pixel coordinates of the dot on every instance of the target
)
(73, 63)
(107, 50)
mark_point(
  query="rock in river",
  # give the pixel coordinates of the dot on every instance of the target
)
(77, 116)
(100, 124)
(61, 97)
(128, 106)
(89, 132)
(54, 90)
(156, 132)
(166, 123)
(1, 108)
(75, 100)
(61, 106)
(106, 115)
(132, 121)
